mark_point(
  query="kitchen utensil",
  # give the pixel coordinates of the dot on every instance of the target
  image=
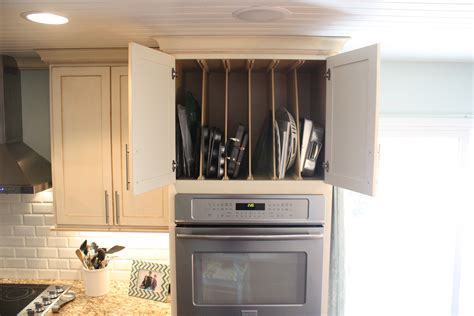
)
(187, 141)
(193, 112)
(262, 160)
(83, 247)
(236, 151)
(282, 115)
(115, 249)
(63, 300)
(205, 148)
(80, 255)
(311, 145)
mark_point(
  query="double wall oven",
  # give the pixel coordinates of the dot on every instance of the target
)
(249, 255)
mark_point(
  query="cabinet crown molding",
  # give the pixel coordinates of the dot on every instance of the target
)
(265, 47)
(84, 55)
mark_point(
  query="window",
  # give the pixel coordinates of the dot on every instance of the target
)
(409, 249)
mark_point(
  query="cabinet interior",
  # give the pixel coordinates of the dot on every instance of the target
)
(249, 93)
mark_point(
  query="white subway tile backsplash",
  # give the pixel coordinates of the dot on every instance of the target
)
(6, 230)
(35, 241)
(48, 274)
(29, 249)
(30, 198)
(57, 241)
(47, 196)
(8, 273)
(24, 231)
(75, 264)
(11, 219)
(75, 242)
(21, 208)
(4, 208)
(44, 208)
(120, 275)
(121, 264)
(37, 220)
(15, 263)
(25, 252)
(12, 241)
(48, 220)
(47, 253)
(67, 253)
(27, 273)
(58, 263)
(70, 274)
(37, 263)
(10, 198)
(44, 231)
(7, 252)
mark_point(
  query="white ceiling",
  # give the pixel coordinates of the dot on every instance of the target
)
(420, 29)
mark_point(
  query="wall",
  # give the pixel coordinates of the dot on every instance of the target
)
(29, 249)
(35, 110)
(427, 88)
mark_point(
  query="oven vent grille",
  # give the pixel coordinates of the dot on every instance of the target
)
(249, 313)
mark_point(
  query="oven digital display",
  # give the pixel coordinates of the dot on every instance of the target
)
(250, 206)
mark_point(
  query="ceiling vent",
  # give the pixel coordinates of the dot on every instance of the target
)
(261, 14)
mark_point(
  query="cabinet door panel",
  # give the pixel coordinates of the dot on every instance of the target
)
(81, 144)
(152, 118)
(146, 209)
(351, 119)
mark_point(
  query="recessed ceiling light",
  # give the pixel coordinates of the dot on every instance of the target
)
(45, 18)
(261, 14)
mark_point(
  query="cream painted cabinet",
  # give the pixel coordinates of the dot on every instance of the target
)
(238, 84)
(147, 209)
(81, 148)
(89, 112)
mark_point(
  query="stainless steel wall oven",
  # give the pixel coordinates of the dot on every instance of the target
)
(249, 255)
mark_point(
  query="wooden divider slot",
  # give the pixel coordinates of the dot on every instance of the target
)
(271, 68)
(204, 69)
(227, 67)
(250, 64)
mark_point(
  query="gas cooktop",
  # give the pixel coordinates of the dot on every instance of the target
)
(29, 299)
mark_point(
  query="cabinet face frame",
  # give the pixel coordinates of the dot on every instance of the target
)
(358, 172)
(100, 212)
(147, 209)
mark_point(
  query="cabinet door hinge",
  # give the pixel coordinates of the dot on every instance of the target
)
(326, 166)
(174, 74)
(173, 166)
(327, 74)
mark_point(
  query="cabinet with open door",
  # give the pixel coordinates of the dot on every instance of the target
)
(224, 117)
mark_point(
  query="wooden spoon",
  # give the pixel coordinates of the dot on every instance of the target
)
(80, 255)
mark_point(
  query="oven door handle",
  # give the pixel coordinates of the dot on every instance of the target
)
(251, 237)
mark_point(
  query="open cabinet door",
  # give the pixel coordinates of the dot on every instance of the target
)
(351, 119)
(151, 119)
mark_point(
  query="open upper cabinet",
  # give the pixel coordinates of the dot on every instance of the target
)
(255, 93)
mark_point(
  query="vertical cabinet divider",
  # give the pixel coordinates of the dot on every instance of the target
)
(205, 69)
(293, 102)
(250, 64)
(271, 71)
(227, 68)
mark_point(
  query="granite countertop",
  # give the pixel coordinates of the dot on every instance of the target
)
(116, 302)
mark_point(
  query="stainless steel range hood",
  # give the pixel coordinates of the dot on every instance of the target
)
(22, 170)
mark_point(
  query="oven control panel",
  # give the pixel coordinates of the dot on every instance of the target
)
(249, 209)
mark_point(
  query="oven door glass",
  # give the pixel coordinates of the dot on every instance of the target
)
(249, 278)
